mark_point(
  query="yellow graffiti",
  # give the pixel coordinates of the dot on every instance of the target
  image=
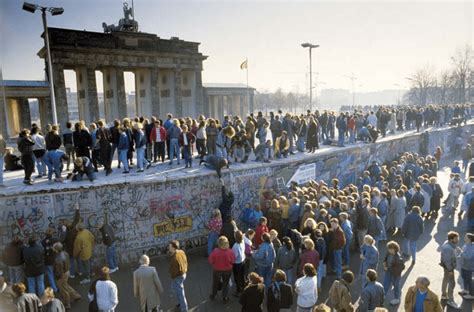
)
(176, 225)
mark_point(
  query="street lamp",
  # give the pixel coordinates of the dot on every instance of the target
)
(311, 47)
(30, 7)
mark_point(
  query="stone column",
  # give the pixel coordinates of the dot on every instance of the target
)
(45, 111)
(25, 116)
(178, 100)
(243, 106)
(220, 107)
(121, 95)
(155, 91)
(92, 99)
(199, 95)
(3, 117)
(143, 92)
(61, 98)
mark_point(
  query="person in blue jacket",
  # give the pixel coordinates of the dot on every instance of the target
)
(123, 146)
(264, 258)
(54, 161)
(369, 254)
(412, 229)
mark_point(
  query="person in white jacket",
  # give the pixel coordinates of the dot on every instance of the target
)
(454, 188)
(104, 292)
(306, 288)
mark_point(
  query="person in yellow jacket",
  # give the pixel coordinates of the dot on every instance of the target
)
(83, 247)
(282, 145)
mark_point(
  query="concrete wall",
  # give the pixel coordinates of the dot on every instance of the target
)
(147, 215)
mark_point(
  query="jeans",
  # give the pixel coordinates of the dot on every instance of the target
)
(40, 165)
(112, 152)
(141, 161)
(1, 169)
(290, 275)
(72, 268)
(16, 274)
(177, 285)
(337, 258)
(340, 140)
(352, 136)
(390, 280)
(266, 273)
(50, 276)
(211, 241)
(466, 276)
(346, 253)
(321, 273)
(36, 285)
(188, 158)
(222, 152)
(410, 248)
(300, 143)
(110, 256)
(86, 268)
(174, 150)
(122, 155)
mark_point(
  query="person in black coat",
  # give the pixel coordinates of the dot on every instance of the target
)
(35, 268)
(25, 146)
(215, 162)
(252, 297)
(279, 294)
(82, 141)
(312, 136)
(104, 139)
(227, 201)
(435, 202)
(53, 139)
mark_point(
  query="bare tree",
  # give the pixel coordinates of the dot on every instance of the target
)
(421, 83)
(462, 63)
(445, 84)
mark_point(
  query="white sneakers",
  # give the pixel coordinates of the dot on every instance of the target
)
(85, 281)
(114, 270)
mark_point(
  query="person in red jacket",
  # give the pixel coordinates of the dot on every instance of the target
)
(222, 260)
(261, 228)
(158, 140)
(309, 255)
(351, 127)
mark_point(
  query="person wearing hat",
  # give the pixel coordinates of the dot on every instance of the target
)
(82, 166)
(83, 248)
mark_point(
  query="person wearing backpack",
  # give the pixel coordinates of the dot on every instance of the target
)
(279, 294)
(393, 266)
(340, 294)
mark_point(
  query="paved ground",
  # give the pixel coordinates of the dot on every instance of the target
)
(198, 283)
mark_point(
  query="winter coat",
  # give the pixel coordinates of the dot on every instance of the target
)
(307, 290)
(467, 257)
(108, 235)
(371, 258)
(396, 212)
(285, 259)
(147, 287)
(279, 296)
(265, 255)
(413, 226)
(153, 137)
(448, 256)
(431, 303)
(340, 296)
(372, 296)
(34, 260)
(396, 265)
(252, 298)
(84, 245)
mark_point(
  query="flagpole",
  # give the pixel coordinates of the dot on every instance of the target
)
(248, 90)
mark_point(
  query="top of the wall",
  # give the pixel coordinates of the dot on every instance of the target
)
(164, 173)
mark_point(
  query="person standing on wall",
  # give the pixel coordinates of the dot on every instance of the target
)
(147, 286)
(178, 269)
(25, 146)
(104, 139)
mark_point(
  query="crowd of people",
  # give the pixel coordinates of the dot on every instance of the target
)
(284, 245)
(147, 141)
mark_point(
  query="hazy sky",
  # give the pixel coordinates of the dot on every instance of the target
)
(380, 42)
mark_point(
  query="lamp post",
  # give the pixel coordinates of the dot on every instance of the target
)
(30, 7)
(311, 47)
